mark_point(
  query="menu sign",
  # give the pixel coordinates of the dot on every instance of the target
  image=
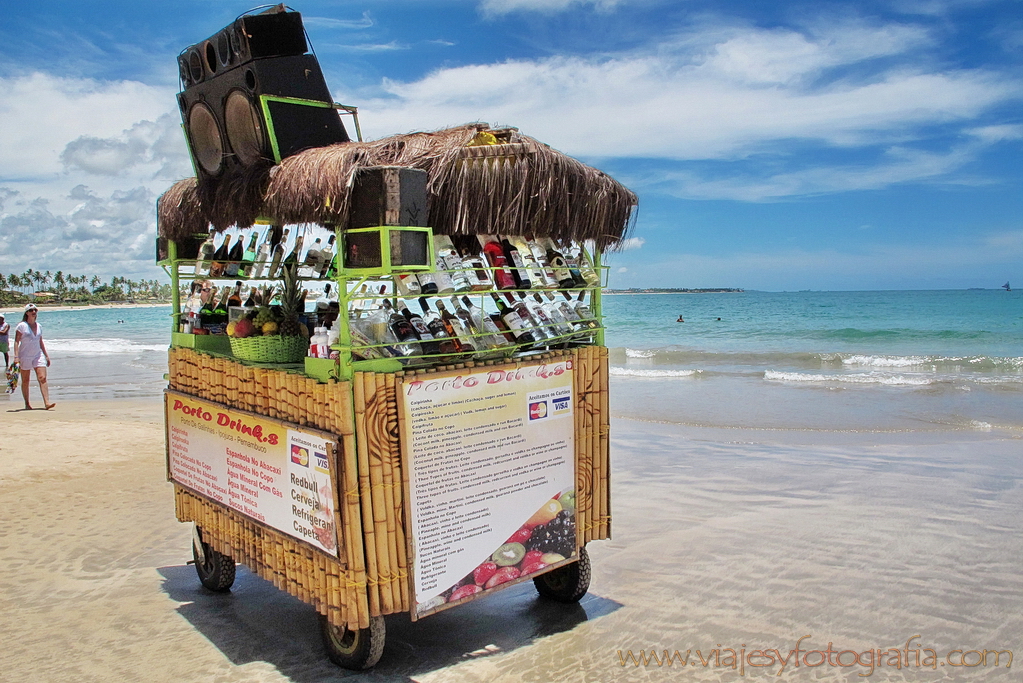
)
(491, 478)
(265, 469)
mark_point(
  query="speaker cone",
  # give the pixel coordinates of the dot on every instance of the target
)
(195, 65)
(224, 53)
(207, 145)
(244, 127)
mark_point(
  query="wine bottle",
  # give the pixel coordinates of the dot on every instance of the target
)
(495, 256)
(327, 257)
(407, 284)
(292, 259)
(427, 283)
(313, 260)
(449, 261)
(278, 256)
(534, 324)
(540, 255)
(514, 258)
(559, 324)
(235, 299)
(234, 257)
(207, 297)
(468, 250)
(572, 261)
(249, 257)
(426, 341)
(443, 334)
(462, 333)
(536, 277)
(514, 321)
(270, 240)
(558, 265)
(483, 323)
(220, 258)
(205, 258)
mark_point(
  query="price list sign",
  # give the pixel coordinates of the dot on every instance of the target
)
(262, 468)
(491, 469)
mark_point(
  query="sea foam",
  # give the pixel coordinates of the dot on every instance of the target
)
(637, 372)
(100, 346)
(853, 378)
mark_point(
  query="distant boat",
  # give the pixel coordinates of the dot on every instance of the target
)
(1006, 287)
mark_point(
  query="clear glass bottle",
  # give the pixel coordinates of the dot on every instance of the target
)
(205, 258)
(279, 252)
(327, 257)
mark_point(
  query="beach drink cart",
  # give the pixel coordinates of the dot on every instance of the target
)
(443, 434)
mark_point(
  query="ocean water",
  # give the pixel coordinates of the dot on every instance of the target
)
(855, 361)
(846, 361)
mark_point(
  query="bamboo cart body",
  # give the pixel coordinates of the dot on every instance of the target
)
(357, 404)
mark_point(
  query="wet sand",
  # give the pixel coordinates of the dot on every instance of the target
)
(722, 539)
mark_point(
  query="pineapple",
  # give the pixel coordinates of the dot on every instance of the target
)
(292, 302)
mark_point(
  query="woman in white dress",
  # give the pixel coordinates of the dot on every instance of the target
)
(30, 350)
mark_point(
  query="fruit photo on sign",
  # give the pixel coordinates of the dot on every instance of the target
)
(546, 538)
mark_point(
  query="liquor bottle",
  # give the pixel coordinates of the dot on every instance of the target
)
(427, 283)
(536, 276)
(279, 253)
(270, 240)
(514, 258)
(462, 332)
(235, 299)
(582, 259)
(495, 256)
(250, 300)
(205, 258)
(205, 313)
(559, 325)
(514, 322)
(567, 309)
(220, 258)
(586, 319)
(249, 257)
(187, 319)
(535, 325)
(219, 313)
(572, 261)
(426, 341)
(540, 255)
(292, 259)
(468, 250)
(327, 257)
(234, 257)
(313, 260)
(407, 284)
(558, 265)
(449, 261)
(447, 342)
(483, 323)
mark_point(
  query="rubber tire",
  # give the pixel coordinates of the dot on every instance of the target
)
(357, 649)
(568, 583)
(217, 572)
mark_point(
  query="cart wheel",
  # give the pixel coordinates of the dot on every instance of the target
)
(568, 583)
(356, 649)
(215, 570)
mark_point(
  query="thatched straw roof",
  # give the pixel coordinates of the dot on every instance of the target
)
(515, 187)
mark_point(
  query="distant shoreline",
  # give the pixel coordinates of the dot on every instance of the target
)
(674, 291)
(87, 307)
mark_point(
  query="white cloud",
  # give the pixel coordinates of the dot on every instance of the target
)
(631, 244)
(875, 267)
(494, 7)
(40, 114)
(720, 94)
(366, 21)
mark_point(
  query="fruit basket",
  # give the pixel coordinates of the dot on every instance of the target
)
(270, 349)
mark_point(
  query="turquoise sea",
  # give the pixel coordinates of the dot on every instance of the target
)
(847, 361)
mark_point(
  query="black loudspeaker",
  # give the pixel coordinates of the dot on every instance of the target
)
(251, 96)
(388, 195)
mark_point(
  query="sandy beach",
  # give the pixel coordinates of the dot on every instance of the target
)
(722, 539)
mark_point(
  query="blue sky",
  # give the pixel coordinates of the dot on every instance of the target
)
(775, 146)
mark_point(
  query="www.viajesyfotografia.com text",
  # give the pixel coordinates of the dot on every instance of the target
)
(776, 660)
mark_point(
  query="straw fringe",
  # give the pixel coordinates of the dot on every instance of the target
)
(519, 187)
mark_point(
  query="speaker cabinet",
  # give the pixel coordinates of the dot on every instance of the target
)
(274, 33)
(388, 195)
(266, 109)
(251, 96)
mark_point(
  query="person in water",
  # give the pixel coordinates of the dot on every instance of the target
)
(680, 320)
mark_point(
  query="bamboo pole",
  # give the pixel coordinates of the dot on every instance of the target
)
(395, 519)
(366, 490)
(378, 447)
(356, 579)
